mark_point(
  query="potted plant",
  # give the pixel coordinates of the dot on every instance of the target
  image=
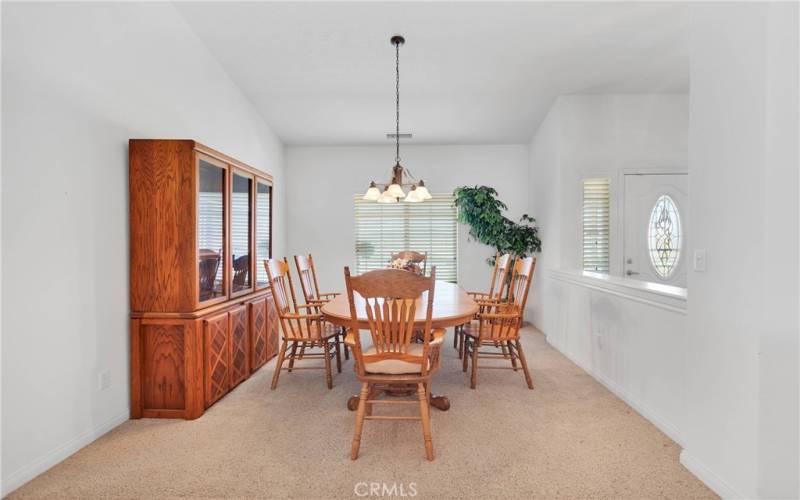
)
(479, 208)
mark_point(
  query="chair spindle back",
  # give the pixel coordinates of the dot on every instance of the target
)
(503, 321)
(280, 282)
(308, 278)
(391, 298)
(502, 264)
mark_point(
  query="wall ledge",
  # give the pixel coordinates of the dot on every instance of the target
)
(667, 297)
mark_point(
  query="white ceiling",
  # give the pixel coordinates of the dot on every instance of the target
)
(470, 73)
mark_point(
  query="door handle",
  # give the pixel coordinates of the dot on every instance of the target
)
(630, 273)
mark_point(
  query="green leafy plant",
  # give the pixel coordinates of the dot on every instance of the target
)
(480, 209)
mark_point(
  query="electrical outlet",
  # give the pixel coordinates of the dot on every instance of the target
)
(104, 380)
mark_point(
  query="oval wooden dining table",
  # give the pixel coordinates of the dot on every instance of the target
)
(451, 307)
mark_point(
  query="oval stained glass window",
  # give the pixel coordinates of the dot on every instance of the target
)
(664, 236)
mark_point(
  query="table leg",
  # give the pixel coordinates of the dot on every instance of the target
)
(439, 402)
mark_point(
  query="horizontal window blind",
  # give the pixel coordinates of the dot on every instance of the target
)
(262, 231)
(209, 224)
(240, 224)
(595, 225)
(430, 226)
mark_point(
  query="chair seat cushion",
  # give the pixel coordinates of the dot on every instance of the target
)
(489, 332)
(328, 331)
(395, 366)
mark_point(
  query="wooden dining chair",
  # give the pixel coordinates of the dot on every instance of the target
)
(301, 332)
(241, 272)
(308, 280)
(209, 265)
(418, 258)
(391, 298)
(497, 327)
(497, 292)
(307, 272)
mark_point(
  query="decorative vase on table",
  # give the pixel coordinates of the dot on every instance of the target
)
(405, 265)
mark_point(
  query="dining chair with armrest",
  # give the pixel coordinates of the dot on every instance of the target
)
(391, 298)
(497, 327)
(497, 292)
(301, 331)
(307, 272)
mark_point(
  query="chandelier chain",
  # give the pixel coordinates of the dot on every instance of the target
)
(397, 101)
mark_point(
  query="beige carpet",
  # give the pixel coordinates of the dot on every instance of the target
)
(568, 438)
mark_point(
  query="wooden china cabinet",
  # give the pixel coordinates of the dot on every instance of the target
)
(202, 316)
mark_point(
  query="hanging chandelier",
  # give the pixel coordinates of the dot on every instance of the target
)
(392, 191)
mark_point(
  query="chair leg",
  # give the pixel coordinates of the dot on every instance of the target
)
(326, 348)
(292, 356)
(362, 405)
(473, 379)
(528, 378)
(455, 336)
(278, 365)
(426, 420)
(337, 346)
(512, 354)
(465, 356)
(342, 334)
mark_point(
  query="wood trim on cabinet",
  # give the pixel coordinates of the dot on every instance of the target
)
(161, 240)
(216, 362)
(145, 316)
(222, 157)
(136, 370)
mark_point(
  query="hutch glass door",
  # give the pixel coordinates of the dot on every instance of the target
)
(263, 230)
(241, 219)
(210, 230)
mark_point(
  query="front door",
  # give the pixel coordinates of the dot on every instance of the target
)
(655, 229)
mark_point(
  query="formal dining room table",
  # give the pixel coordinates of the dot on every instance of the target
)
(451, 307)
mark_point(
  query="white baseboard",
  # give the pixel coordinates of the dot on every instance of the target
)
(712, 480)
(48, 460)
(642, 409)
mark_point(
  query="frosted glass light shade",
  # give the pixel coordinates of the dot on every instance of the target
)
(413, 197)
(396, 191)
(422, 192)
(387, 198)
(372, 194)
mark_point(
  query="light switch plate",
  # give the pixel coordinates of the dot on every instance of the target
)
(700, 260)
(104, 380)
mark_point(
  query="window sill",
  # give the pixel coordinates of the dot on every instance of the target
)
(667, 297)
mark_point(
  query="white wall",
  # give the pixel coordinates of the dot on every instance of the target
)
(322, 182)
(596, 135)
(733, 359)
(742, 354)
(79, 80)
(631, 341)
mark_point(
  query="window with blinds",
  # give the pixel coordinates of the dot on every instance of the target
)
(430, 226)
(595, 225)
